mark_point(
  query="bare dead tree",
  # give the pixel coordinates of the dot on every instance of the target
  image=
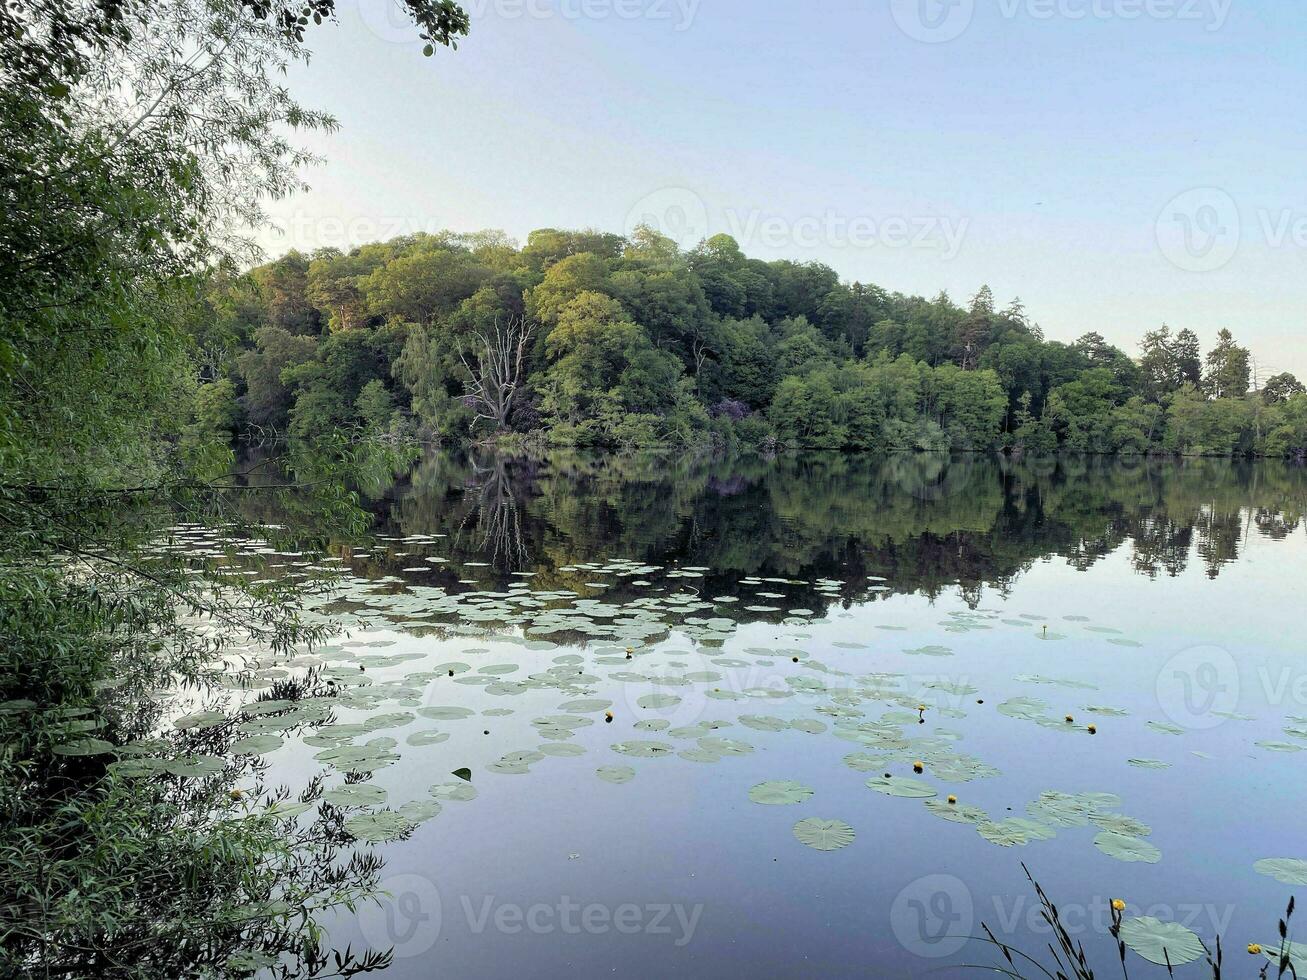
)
(500, 363)
(498, 520)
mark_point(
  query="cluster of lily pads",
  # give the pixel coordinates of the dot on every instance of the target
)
(655, 661)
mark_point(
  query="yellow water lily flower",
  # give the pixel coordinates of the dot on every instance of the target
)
(952, 799)
(1118, 904)
(1254, 948)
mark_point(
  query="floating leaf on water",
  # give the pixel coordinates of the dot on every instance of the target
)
(416, 811)
(929, 651)
(256, 744)
(763, 723)
(137, 768)
(658, 701)
(1032, 829)
(440, 713)
(725, 746)
(1126, 848)
(1165, 727)
(585, 705)
(1275, 746)
(427, 738)
(643, 749)
(376, 828)
(1290, 871)
(195, 766)
(1099, 709)
(355, 794)
(824, 835)
(1028, 709)
(779, 792)
(1149, 763)
(1121, 824)
(1070, 810)
(1004, 833)
(615, 774)
(83, 747)
(957, 812)
(901, 786)
(199, 720)
(1297, 953)
(810, 725)
(1161, 942)
(863, 762)
(456, 791)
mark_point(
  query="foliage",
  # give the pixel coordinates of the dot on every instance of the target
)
(137, 143)
(631, 340)
(1068, 959)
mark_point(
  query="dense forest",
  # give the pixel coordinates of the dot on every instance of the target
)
(139, 333)
(590, 339)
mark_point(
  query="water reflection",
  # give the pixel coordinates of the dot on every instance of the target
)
(926, 523)
(526, 580)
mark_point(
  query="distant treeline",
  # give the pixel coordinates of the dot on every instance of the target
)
(592, 339)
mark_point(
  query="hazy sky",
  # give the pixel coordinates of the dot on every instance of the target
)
(1115, 163)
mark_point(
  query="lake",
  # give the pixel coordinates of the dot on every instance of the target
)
(688, 699)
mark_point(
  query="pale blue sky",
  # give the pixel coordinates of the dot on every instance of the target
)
(1116, 163)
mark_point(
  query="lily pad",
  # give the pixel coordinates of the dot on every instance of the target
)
(355, 794)
(459, 791)
(615, 774)
(824, 835)
(1123, 847)
(901, 786)
(1161, 942)
(1290, 871)
(376, 828)
(643, 749)
(779, 792)
(256, 744)
(83, 746)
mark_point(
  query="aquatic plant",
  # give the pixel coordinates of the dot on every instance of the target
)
(1164, 944)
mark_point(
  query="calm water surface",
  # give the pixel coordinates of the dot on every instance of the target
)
(1161, 602)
